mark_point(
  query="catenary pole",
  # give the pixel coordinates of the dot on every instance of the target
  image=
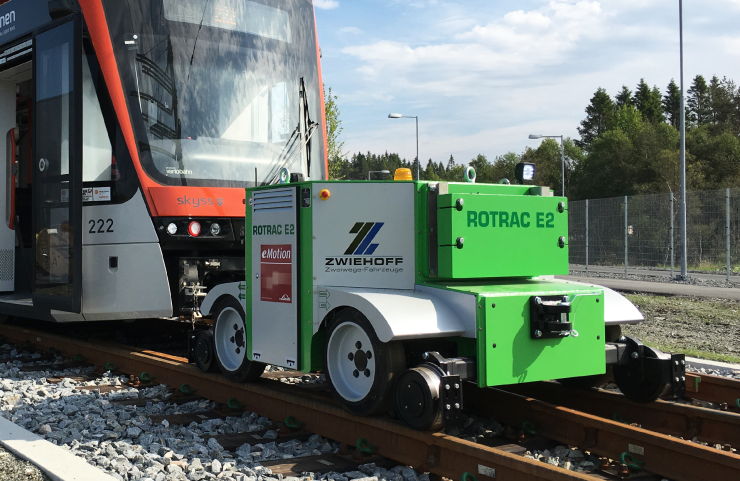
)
(682, 206)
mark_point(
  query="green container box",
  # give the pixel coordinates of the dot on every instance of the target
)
(488, 235)
(506, 352)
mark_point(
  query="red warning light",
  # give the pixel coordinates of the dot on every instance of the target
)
(194, 228)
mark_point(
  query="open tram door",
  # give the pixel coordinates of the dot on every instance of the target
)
(57, 178)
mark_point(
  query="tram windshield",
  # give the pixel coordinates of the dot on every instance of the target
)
(213, 87)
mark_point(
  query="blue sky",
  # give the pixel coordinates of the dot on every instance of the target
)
(483, 75)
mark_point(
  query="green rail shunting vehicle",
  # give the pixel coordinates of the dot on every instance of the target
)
(400, 291)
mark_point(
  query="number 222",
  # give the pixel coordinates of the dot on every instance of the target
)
(100, 223)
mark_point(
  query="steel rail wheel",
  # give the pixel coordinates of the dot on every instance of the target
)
(635, 386)
(230, 339)
(361, 370)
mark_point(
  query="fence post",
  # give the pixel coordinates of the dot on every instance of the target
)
(727, 228)
(586, 236)
(625, 235)
(673, 239)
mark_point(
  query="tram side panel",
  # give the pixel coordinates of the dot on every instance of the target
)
(124, 271)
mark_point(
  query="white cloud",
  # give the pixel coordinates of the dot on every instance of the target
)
(350, 30)
(326, 4)
(481, 81)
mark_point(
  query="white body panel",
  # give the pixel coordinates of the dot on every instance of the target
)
(617, 308)
(230, 289)
(274, 277)
(384, 254)
(136, 289)
(462, 304)
(127, 223)
(7, 236)
(394, 314)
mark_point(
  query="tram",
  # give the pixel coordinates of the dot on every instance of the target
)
(130, 131)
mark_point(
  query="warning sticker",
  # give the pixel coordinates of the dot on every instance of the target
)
(276, 269)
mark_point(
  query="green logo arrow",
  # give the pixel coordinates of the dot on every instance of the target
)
(242, 296)
(242, 286)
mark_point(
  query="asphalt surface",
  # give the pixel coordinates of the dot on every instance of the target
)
(653, 272)
(659, 287)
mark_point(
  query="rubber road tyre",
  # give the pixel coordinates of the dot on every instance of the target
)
(361, 370)
(230, 339)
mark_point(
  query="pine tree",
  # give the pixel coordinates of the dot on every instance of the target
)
(672, 104)
(721, 93)
(699, 102)
(598, 117)
(624, 97)
(649, 102)
(451, 163)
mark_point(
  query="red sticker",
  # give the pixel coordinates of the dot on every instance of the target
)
(276, 262)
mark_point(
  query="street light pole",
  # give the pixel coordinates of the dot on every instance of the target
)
(399, 116)
(562, 166)
(562, 157)
(418, 161)
(682, 207)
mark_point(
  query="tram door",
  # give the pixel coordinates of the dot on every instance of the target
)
(58, 166)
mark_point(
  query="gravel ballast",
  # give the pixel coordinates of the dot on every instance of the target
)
(124, 442)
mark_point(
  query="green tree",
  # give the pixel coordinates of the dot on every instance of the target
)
(672, 104)
(483, 170)
(624, 97)
(503, 167)
(547, 162)
(649, 102)
(628, 120)
(698, 109)
(333, 131)
(450, 163)
(599, 114)
(722, 101)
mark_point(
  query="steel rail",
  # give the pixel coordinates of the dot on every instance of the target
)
(671, 418)
(716, 389)
(437, 453)
(666, 456)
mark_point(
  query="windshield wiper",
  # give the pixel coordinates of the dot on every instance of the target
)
(192, 56)
(302, 134)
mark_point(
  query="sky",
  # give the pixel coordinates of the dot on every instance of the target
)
(482, 75)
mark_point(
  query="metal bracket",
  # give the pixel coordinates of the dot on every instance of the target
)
(549, 317)
(678, 375)
(451, 400)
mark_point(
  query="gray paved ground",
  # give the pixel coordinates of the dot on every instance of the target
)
(659, 287)
(16, 469)
(653, 272)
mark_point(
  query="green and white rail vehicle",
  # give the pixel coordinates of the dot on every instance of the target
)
(400, 291)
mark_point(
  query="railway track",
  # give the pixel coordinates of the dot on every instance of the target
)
(578, 425)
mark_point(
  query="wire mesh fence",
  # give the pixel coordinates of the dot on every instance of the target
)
(642, 231)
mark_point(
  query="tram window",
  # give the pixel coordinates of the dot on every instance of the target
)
(97, 152)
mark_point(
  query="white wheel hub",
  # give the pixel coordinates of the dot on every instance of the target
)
(351, 361)
(230, 339)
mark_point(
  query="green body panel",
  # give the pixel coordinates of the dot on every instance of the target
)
(305, 286)
(248, 278)
(504, 236)
(517, 357)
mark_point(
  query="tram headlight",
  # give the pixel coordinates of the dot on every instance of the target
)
(215, 228)
(172, 228)
(194, 228)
